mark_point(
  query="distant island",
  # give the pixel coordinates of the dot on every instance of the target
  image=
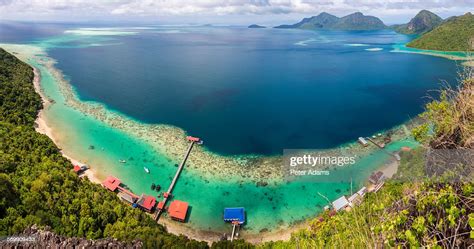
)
(454, 34)
(355, 21)
(423, 22)
(256, 26)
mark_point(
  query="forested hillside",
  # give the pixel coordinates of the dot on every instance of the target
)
(455, 34)
(37, 184)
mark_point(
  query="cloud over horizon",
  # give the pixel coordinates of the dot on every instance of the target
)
(213, 9)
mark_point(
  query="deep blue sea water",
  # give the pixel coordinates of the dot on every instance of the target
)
(255, 91)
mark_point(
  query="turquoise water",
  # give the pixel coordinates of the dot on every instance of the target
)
(285, 203)
(278, 204)
(404, 49)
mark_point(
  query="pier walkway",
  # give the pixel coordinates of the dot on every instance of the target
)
(395, 155)
(167, 195)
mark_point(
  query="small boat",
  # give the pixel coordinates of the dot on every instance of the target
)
(146, 170)
(122, 161)
(158, 187)
(153, 186)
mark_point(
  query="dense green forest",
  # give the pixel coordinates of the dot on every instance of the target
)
(38, 186)
(455, 34)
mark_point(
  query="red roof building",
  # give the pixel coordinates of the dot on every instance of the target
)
(193, 139)
(111, 183)
(77, 169)
(178, 210)
(147, 202)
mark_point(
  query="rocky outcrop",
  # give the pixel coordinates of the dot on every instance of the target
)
(34, 237)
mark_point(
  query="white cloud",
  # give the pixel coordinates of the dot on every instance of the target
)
(64, 9)
(179, 7)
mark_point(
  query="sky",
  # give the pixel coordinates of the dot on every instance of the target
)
(225, 12)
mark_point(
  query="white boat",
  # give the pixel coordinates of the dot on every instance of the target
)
(146, 170)
(122, 161)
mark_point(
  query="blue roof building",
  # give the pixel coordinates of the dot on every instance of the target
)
(234, 214)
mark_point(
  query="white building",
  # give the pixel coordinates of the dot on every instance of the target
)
(340, 203)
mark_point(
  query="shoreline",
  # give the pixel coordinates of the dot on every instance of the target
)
(172, 227)
(466, 60)
(208, 236)
(169, 141)
(43, 128)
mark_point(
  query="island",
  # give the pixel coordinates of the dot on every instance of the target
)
(255, 26)
(355, 21)
(455, 34)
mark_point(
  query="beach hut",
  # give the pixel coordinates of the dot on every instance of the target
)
(146, 202)
(340, 203)
(362, 191)
(193, 139)
(354, 199)
(363, 141)
(80, 168)
(376, 178)
(236, 214)
(111, 183)
(178, 210)
(77, 169)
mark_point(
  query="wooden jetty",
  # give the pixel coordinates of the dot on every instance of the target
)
(167, 195)
(395, 155)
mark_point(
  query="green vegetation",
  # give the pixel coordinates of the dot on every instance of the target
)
(355, 21)
(39, 187)
(423, 22)
(456, 34)
(400, 214)
(412, 210)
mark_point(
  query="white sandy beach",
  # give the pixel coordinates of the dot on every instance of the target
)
(43, 128)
